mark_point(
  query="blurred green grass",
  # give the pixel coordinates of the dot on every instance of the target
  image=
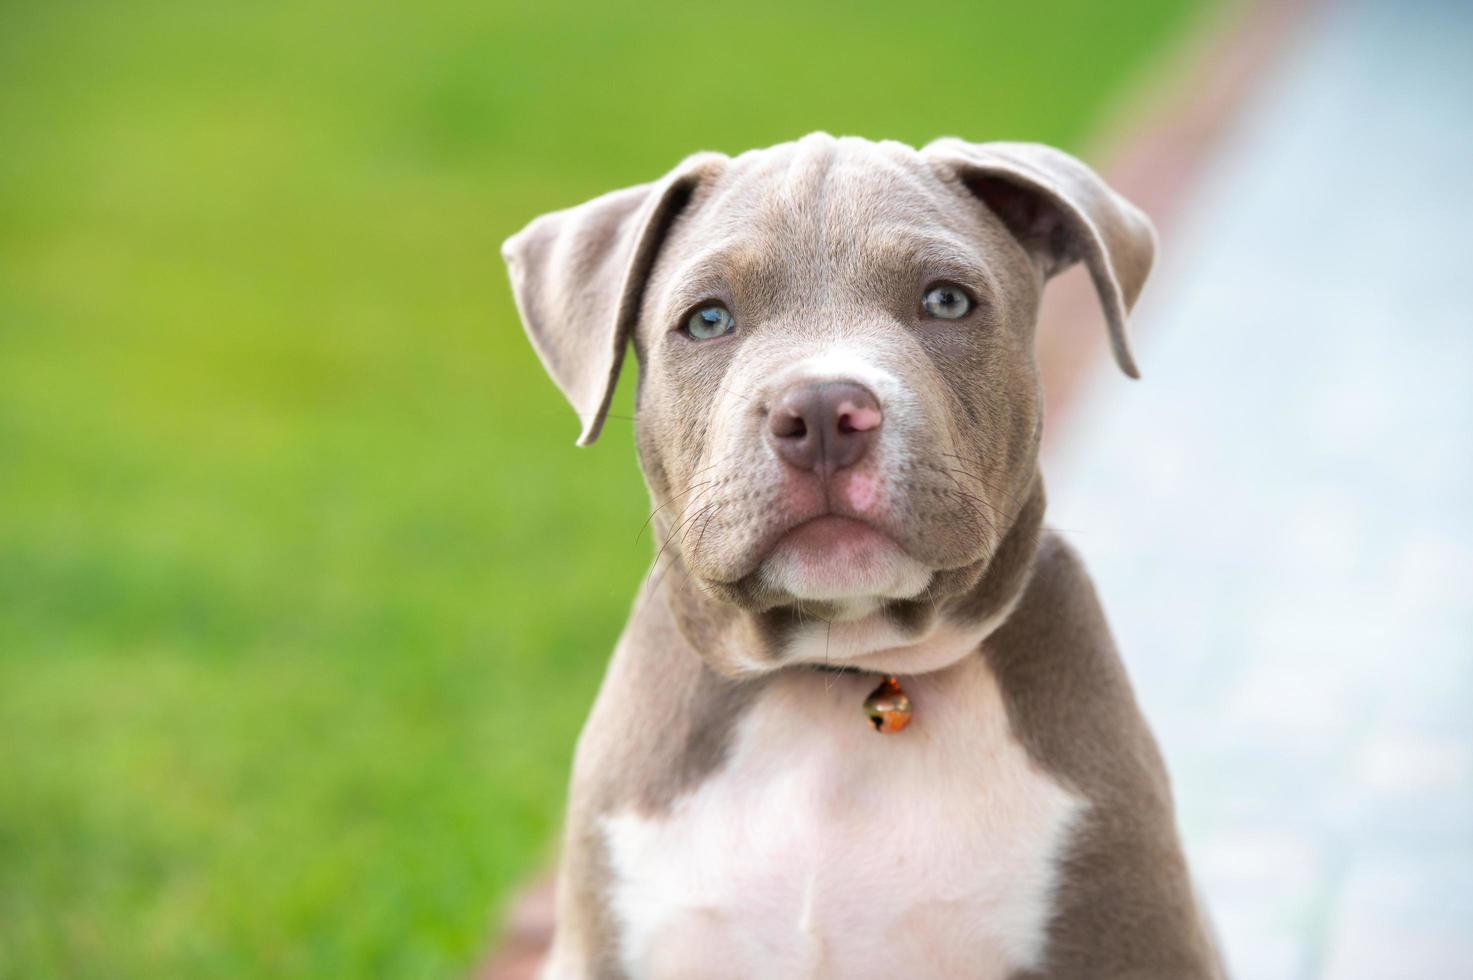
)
(304, 590)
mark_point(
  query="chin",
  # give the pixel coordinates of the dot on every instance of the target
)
(841, 560)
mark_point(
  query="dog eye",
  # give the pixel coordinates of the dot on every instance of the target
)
(946, 302)
(709, 321)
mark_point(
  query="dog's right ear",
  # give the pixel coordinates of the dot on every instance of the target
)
(578, 277)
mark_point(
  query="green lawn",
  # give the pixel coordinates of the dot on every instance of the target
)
(304, 589)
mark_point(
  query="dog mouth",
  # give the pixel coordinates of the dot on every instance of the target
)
(835, 556)
(857, 536)
(832, 536)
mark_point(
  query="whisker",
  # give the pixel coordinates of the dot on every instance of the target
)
(978, 477)
(667, 503)
(707, 523)
(670, 537)
(970, 501)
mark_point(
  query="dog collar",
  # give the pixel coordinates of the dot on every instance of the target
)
(888, 707)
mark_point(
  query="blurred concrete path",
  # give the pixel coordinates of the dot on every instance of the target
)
(1280, 516)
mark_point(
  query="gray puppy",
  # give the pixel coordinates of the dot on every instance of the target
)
(838, 419)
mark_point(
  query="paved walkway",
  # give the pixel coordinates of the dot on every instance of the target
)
(1280, 516)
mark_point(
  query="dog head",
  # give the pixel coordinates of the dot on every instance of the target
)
(839, 400)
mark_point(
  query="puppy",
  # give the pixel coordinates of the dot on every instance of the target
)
(866, 719)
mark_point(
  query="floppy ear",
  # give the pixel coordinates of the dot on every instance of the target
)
(1062, 212)
(578, 277)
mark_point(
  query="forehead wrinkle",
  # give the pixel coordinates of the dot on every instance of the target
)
(879, 195)
(806, 181)
(814, 214)
(713, 273)
(937, 253)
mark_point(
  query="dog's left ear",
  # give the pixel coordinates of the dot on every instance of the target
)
(578, 277)
(1062, 212)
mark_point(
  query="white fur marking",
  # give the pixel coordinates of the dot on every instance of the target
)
(844, 363)
(822, 849)
(886, 573)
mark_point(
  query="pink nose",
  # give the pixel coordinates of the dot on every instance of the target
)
(824, 427)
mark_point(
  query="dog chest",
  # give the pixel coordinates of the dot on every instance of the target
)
(823, 849)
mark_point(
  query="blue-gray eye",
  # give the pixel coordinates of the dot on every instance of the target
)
(709, 321)
(946, 302)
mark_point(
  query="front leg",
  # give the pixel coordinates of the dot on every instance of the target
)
(1125, 906)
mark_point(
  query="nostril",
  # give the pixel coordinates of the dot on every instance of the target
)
(788, 425)
(857, 418)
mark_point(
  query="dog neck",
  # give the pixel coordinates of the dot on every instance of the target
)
(899, 637)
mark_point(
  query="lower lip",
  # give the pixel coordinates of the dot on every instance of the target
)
(830, 535)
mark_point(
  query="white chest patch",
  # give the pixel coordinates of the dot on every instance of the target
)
(824, 849)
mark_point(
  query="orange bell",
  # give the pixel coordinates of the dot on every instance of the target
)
(888, 707)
